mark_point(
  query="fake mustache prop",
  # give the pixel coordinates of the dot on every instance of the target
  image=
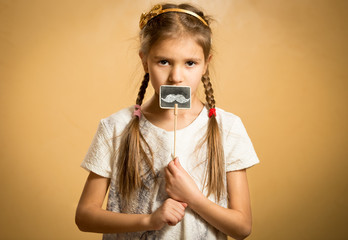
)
(171, 95)
(175, 97)
(178, 97)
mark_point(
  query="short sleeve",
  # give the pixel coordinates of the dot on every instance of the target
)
(99, 156)
(239, 150)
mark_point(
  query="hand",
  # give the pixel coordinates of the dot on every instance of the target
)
(179, 184)
(171, 212)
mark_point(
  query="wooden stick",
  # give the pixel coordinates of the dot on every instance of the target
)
(175, 123)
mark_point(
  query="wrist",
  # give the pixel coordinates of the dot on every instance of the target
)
(196, 200)
(146, 222)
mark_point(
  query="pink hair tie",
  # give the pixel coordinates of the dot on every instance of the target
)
(137, 111)
(212, 112)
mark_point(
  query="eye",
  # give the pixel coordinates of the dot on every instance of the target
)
(163, 62)
(190, 63)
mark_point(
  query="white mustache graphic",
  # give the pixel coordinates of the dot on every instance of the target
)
(172, 97)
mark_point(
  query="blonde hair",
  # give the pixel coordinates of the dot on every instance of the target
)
(132, 155)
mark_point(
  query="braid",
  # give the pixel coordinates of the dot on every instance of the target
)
(142, 89)
(215, 153)
(209, 92)
(132, 153)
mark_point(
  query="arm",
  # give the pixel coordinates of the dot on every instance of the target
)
(234, 221)
(90, 216)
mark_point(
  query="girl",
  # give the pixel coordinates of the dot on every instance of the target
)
(201, 194)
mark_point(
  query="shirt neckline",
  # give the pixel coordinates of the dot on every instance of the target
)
(191, 125)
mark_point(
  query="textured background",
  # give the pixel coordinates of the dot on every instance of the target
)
(279, 65)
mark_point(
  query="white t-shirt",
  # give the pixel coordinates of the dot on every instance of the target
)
(102, 154)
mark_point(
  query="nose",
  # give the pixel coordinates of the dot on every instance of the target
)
(176, 75)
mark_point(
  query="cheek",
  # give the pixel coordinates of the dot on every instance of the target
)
(155, 83)
(196, 83)
(196, 86)
(198, 77)
(158, 77)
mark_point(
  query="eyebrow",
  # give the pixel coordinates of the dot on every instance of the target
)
(168, 58)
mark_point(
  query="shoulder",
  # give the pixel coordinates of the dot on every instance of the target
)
(117, 120)
(220, 113)
(123, 115)
(226, 120)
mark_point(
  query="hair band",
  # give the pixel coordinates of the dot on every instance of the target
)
(212, 112)
(157, 10)
(137, 111)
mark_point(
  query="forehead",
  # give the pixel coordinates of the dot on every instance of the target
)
(177, 47)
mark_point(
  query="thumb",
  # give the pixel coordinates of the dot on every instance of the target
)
(177, 162)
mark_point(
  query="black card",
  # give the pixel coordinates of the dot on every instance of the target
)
(171, 95)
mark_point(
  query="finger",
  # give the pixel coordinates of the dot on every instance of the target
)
(176, 204)
(171, 167)
(184, 204)
(167, 173)
(177, 164)
(172, 219)
(179, 212)
(179, 208)
(179, 205)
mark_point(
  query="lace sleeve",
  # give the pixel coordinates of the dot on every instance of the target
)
(99, 156)
(239, 150)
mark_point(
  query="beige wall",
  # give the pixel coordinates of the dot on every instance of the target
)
(279, 65)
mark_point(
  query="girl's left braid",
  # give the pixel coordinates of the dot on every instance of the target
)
(215, 153)
(209, 92)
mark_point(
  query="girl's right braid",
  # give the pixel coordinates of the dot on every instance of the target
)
(132, 152)
(142, 89)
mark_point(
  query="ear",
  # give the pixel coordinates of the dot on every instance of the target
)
(207, 63)
(143, 61)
